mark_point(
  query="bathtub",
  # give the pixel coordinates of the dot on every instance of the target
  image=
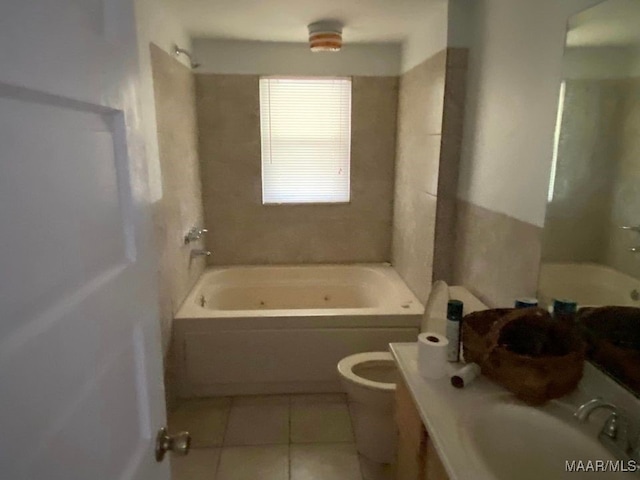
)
(589, 284)
(283, 329)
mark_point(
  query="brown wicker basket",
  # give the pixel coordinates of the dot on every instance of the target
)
(526, 351)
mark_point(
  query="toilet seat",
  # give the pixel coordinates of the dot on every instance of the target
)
(347, 364)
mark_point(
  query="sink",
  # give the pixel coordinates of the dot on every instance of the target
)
(514, 440)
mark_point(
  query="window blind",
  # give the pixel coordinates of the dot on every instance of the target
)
(306, 139)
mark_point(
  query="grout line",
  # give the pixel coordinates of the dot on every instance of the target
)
(353, 433)
(290, 404)
(224, 435)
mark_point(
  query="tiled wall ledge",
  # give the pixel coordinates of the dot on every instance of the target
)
(497, 257)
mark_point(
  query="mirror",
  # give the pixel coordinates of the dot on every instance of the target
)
(591, 239)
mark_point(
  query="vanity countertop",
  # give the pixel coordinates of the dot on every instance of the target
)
(449, 414)
(444, 411)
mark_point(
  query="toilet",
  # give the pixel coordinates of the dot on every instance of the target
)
(370, 382)
(370, 378)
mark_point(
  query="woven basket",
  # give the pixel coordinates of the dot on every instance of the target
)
(526, 351)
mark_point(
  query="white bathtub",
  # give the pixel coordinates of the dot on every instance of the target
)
(283, 329)
(589, 284)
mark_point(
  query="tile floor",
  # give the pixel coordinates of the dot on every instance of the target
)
(275, 437)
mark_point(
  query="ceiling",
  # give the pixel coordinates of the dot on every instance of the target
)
(287, 20)
(614, 23)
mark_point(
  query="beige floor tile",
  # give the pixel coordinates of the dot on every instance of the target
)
(254, 463)
(204, 419)
(200, 464)
(258, 421)
(337, 461)
(375, 471)
(318, 398)
(320, 419)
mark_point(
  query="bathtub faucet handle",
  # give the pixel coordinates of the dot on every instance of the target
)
(200, 253)
(194, 234)
(631, 228)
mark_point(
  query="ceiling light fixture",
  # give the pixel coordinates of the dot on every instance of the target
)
(325, 36)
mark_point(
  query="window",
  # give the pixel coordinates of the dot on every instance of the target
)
(306, 139)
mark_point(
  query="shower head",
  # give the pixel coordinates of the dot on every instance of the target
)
(177, 51)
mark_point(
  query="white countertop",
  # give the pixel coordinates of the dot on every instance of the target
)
(448, 412)
(441, 408)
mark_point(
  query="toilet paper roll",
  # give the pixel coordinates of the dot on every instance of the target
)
(465, 375)
(432, 355)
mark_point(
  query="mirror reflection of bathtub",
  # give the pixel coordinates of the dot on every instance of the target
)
(591, 238)
(588, 284)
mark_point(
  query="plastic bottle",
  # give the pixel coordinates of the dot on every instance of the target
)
(564, 310)
(526, 302)
(454, 323)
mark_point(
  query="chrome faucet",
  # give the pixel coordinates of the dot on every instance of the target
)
(194, 234)
(585, 410)
(615, 431)
(200, 253)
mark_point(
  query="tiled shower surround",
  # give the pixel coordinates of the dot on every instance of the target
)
(430, 118)
(180, 207)
(407, 135)
(243, 231)
(596, 175)
(497, 257)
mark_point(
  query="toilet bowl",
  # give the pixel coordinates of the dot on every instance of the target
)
(370, 382)
(370, 379)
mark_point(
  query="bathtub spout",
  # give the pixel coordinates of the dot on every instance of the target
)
(200, 253)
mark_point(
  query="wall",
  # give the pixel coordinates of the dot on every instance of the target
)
(427, 157)
(243, 231)
(625, 198)
(596, 180)
(600, 63)
(428, 38)
(279, 58)
(577, 220)
(515, 68)
(157, 23)
(180, 207)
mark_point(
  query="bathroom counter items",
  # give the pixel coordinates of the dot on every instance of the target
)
(445, 411)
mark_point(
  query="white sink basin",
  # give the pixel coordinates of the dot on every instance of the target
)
(515, 441)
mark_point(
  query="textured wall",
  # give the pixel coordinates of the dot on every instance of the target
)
(576, 225)
(250, 57)
(625, 198)
(597, 176)
(497, 257)
(180, 206)
(515, 69)
(243, 231)
(448, 171)
(420, 111)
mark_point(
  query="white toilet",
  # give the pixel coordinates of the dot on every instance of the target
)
(370, 380)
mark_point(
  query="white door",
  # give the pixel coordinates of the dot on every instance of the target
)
(81, 393)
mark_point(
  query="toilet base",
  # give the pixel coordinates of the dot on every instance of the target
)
(375, 431)
(376, 471)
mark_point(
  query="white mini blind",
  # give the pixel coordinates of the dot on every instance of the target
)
(306, 139)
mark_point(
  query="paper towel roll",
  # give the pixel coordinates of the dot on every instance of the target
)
(432, 355)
